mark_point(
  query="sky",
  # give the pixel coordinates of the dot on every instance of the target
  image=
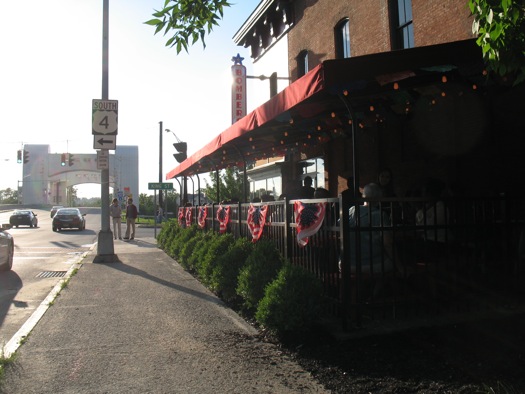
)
(51, 69)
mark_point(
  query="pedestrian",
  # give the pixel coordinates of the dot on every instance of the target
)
(131, 216)
(116, 213)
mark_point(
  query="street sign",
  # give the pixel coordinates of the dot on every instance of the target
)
(102, 159)
(105, 142)
(160, 186)
(105, 117)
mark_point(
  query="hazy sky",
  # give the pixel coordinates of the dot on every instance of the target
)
(51, 69)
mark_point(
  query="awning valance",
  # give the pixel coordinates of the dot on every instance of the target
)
(315, 108)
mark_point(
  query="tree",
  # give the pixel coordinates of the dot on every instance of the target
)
(500, 26)
(188, 20)
(8, 196)
(230, 185)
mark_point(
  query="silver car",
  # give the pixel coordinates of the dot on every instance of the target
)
(7, 249)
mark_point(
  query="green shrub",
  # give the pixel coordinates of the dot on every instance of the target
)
(180, 240)
(167, 233)
(261, 267)
(224, 276)
(292, 302)
(188, 249)
(200, 250)
(217, 247)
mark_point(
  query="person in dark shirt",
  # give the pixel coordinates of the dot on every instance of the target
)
(131, 217)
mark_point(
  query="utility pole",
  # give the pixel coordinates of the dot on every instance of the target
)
(105, 247)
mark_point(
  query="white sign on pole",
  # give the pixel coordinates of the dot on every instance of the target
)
(105, 117)
(105, 142)
(102, 159)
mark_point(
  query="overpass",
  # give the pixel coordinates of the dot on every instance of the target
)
(48, 177)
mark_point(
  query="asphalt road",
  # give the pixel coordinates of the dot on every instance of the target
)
(41, 259)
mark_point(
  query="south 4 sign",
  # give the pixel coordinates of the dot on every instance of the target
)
(105, 122)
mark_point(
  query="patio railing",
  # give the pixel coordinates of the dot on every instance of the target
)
(417, 257)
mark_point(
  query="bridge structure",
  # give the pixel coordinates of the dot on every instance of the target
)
(49, 177)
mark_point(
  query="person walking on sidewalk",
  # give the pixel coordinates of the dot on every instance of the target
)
(131, 216)
(116, 212)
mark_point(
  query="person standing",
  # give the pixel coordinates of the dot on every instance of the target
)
(131, 216)
(116, 213)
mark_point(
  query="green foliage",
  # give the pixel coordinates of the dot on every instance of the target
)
(500, 26)
(178, 242)
(187, 21)
(189, 248)
(8, 196)
(292, 302)
(167, 233)
(200, 249)
(230, 185)
(224, 276)
(260, 269)
(217, 247)
(146, 204)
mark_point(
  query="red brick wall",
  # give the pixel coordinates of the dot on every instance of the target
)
(435, 21)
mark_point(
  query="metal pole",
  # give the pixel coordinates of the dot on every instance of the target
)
(105, 247)
(160, 162)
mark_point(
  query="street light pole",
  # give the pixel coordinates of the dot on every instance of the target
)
(160, 162)
(105, 247)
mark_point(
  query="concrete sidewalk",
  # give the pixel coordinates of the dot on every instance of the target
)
(144, 325)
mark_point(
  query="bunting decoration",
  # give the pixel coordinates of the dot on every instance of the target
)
(201, 218)
(189, 215)
(181, 217)
(256, 221)
(223, 216)
(309, 218)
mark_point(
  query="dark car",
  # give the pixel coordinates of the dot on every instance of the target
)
(23, 217)
(69, 218)
(7, 250)
(55, 208)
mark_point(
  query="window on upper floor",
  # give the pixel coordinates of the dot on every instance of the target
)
(302, 63)
(342, 39)
(403, 28)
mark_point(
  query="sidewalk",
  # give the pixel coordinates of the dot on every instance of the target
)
(144, 325)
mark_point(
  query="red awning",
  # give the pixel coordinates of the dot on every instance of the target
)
(316, 108)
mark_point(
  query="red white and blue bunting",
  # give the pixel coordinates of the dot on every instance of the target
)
(223, 216)
(309, 218)
(201, 218)
(256, 221)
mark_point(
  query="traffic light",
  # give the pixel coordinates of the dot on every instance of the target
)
(26, 157)
(63, 159)
(70, 160)
(19, 156)
(181, 147)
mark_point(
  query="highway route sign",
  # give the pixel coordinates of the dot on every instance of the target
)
(105, 142)
(105, 117)
(160, 186)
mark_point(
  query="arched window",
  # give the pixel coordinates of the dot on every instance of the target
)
(403, 28)
(342, 39)
(302, 63)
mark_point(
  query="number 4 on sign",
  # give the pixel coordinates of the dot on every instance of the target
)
(105, 122)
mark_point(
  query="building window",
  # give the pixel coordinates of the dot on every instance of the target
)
(342, 39)
(403, 31)
(302, 63)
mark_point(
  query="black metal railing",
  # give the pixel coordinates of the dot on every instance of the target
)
(403, 256)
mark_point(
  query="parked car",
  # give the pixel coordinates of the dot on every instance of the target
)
(55, 208)
(69, 218)
(7, 249)
(23, 217)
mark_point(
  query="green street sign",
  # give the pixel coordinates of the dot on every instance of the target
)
(160, 186)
